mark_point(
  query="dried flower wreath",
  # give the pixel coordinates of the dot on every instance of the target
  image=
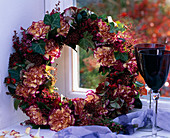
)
(32, 85)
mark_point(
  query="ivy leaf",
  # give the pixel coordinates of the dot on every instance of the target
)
(70, 103)
(121, 56)
(11, 88)
(138, 103)
(47, 19)
(39, 47)
(115, 29)
(104, 16)
(24, 106)
(79, 18)
(101, 94)
(15, 73)
(86, 42)
(52, 20)
(16, 103)
(115, 105)
(138, 84)
(112, 27)
(39, 126)
(42, 105)
(93, 16)
(106, 83)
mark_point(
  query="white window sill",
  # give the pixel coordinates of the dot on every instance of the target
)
(49, 134)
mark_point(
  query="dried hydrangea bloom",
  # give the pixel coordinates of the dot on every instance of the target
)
(35, 76)
(126, 93)
(38, 30)
(129, 36)
(52, 50)
(24, 91)
(104, 33)
(69, 14)
(35, 115)
(131, 65)
(91, 96)
(64, 27)
(79, 104)
(105, 56)
(85, 119)
(61, 118)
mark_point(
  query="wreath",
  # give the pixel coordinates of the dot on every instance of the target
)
(32, 84)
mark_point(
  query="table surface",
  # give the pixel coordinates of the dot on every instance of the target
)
(49, 134)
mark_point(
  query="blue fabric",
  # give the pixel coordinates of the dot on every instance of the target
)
(86, 132)
(139, 118)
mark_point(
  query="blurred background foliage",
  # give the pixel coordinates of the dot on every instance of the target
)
(149, 19)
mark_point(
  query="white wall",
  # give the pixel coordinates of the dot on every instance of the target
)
(13, 15)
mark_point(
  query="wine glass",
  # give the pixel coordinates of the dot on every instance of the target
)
(155, 66)
(137, 48)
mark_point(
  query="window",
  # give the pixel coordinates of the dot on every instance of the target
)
(74, 86)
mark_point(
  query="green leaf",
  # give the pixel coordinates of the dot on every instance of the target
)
(104, 16)
(115, 105)
(106, 83)
(93, 16)
(52, 20)
(24, 106)
(115, 100)
(79, 18)
(121, 56)
(115, 29)
(112, 27)
(138, 84)
(137, 96)
(41, 105)
(87, 35)
(15, 73)
(16, 103)
(101, 94)
(86, 42)
(39, 47)
(47, 19)
(70, 103)
(39, 126)
(11, 88)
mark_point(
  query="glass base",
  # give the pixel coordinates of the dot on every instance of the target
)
(150, 136)
(148, 129)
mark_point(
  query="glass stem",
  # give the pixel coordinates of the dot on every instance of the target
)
(149, 96)
(155, 97)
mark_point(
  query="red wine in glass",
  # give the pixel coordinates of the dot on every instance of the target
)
(155, 65)
(137, 48)
(142, 46)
